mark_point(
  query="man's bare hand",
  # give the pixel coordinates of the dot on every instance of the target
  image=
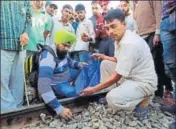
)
(66, 113)
(85, 37)
(24, 39)
(98, 56)
(88, 91)
(156, 40)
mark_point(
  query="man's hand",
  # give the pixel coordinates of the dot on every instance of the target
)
(24, 39)
(66, 113)
(88, 91)
(100, 27)
(156, 40)
(85, 37)
(99, 56)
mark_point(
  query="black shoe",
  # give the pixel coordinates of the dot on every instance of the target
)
(159, 93)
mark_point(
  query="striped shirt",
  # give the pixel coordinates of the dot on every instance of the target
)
(15, 19)
(50, 74)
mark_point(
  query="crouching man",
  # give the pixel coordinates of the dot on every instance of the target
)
(54, 77)
(133, 61)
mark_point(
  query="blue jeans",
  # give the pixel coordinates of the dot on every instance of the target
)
(168, 39)
(65, 89)
(12, 85)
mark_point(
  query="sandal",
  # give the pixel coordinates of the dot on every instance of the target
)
(141, 113)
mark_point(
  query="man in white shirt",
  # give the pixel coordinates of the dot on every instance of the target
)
(85, 31)
(62, 22)
(133, 61)
(130, 22)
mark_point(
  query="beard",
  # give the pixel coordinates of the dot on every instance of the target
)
(61, 54)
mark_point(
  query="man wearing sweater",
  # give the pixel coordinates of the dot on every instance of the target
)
(55, 76)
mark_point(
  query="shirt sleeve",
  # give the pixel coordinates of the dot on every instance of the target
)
(46, 68)
(28, 22)
(135, 25)
(157, 5)
(49, 24)
(91, 31)
(126, 59)
(72, 63)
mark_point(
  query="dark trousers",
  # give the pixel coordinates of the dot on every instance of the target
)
(157, 52)
(106, 47)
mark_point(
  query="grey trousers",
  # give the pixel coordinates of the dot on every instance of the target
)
(127, 95)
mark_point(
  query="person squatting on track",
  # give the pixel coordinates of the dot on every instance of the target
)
(133, 62)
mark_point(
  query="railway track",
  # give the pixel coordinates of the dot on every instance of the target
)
(30, 114)
(86, 113)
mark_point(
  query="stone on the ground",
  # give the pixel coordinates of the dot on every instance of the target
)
(132, 123)
(100, 116)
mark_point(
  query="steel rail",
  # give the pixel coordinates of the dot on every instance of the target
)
(42, 106)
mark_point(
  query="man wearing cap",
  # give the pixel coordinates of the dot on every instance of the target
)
(85, 31)
(132, 61)
(50, 8)
(55, 75)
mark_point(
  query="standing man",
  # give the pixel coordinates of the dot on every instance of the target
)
(62, 22)
(104, 5)
(130, 22)
(75, 21)
(168, 38)
(96, 11)
(133, 61)
(148, 18)
(106, 46)
(15, 25)
(50, 8)
(41, 26)
(85, 31)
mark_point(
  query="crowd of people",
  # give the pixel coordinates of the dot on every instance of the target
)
(137, 49)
